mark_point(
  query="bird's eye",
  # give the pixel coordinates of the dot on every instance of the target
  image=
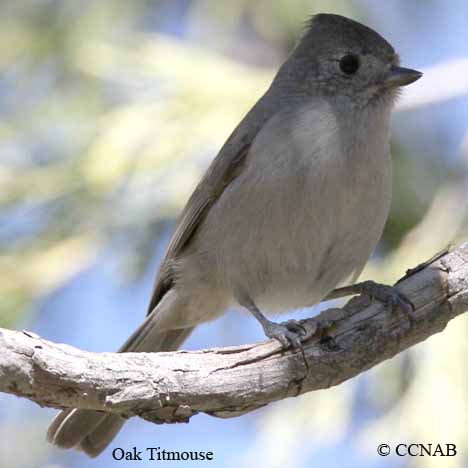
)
(349, 64)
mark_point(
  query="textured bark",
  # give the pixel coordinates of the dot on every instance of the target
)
(227, 382)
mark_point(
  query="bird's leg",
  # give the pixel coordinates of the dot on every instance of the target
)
(389, 295)
(287, 333)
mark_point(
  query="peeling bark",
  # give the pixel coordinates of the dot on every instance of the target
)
(228, 382)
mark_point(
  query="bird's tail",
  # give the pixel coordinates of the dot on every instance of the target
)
(92, 431)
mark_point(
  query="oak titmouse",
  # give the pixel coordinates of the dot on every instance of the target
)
(292, 206)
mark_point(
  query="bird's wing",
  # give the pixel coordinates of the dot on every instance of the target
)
(227, 165)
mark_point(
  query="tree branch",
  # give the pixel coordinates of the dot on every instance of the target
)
(227, 382)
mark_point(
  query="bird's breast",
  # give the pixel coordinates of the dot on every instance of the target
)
(304, 214)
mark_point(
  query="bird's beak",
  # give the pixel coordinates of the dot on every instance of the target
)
(399, 76)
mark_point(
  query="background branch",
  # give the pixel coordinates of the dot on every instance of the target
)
(227, 382)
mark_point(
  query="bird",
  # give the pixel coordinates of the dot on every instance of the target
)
(288, 212)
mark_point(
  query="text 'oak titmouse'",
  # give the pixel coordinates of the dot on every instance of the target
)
(292, 206)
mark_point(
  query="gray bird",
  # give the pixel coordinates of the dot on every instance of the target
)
(292, 206)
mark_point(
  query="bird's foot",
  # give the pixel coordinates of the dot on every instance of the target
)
(289, 333)
(388, 295)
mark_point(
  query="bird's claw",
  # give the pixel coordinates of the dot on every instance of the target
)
(390, 296)
(289, 333)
